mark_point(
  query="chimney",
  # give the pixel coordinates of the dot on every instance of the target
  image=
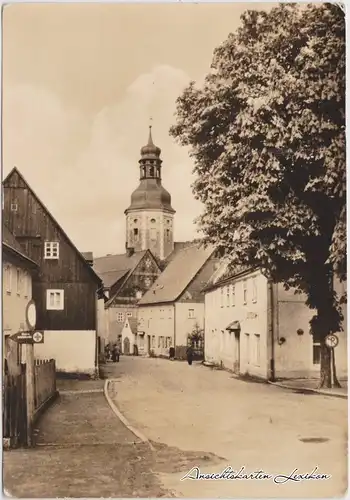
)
(88, 256)
(130, 251)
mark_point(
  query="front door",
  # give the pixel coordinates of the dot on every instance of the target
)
(236, 365)
(126, 346)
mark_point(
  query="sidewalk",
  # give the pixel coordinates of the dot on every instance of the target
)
(84, 451)
(311, 386)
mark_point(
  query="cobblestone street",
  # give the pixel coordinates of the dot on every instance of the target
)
(193, 417)
(83, 450)
(255, 425)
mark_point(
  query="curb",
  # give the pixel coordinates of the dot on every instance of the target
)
(121, 417)
(311, 391)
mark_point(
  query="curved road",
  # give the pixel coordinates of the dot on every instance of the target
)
(255, 425)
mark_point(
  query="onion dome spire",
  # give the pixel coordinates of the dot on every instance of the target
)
(150, 150)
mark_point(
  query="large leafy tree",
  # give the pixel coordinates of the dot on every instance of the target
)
(266, 131)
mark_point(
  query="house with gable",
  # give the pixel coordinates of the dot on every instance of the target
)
(17, 275)
(174, 306)
(128, 341)
(65, 288)
(125, 278)
(257, 328)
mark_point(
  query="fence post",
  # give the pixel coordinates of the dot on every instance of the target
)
(30, 389)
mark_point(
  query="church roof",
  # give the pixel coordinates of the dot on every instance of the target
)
(150, 194)
(177, 276)
(111, 268)
(150, 150)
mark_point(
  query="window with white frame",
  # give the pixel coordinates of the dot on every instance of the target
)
(153, 341)
(120, 317)
(222, 297)
(233, 295)
(14, 207)
(316, 350)
(51, 250)
(245, 291)
(227, 296)
(247, 349)
(26, 285)
(8, 278)
(191, 313)
(257, 350)
(159, 342)
(255, 290)
(18, 281)
(55, 300)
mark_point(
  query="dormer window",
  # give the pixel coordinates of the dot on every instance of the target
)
(51, 250)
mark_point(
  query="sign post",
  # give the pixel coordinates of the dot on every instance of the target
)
(331, 342)
(27, 338)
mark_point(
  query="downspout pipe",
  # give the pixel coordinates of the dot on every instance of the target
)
(271, 329)
(174, 306)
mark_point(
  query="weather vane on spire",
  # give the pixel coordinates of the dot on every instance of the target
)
(150, 122)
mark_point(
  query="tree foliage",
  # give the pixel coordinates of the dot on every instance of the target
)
(266, 131)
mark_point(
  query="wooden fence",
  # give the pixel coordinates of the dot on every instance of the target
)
(15, 408)
(18, 413)
(44, 381)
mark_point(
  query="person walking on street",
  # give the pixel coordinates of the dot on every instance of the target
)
(189, 354)
(115, 353)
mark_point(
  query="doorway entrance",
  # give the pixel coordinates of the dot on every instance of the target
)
(126, 346)
(236, 364)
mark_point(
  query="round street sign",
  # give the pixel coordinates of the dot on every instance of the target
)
(31, 315)
(331, 340)
(37, 337)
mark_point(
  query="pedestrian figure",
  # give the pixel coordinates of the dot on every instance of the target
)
(115, 353)
(189, 354)
(171, 353)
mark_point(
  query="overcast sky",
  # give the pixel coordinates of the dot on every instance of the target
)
(80, 83)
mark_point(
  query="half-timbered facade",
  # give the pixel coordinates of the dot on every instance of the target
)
(126, 277)
(65, 287)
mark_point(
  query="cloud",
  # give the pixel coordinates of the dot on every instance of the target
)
(84, 168)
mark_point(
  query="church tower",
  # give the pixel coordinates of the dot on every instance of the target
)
(150, 216)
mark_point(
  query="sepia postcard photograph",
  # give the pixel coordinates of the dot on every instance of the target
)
(174, 268)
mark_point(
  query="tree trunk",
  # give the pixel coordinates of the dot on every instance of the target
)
(335, 380)
(327, 367)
